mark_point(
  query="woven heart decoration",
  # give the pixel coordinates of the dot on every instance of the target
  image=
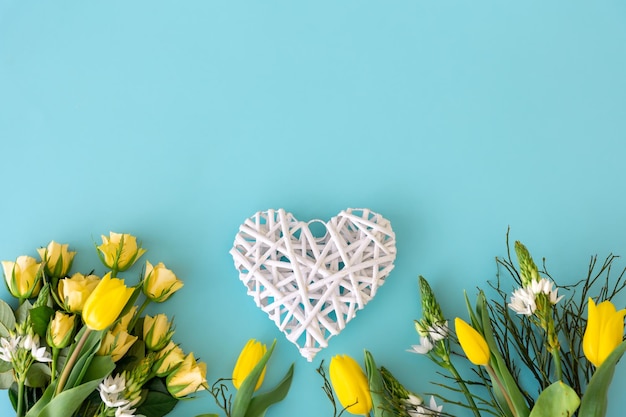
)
(310, 286)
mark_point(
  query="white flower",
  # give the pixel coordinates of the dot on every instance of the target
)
(8, 347)
(424, 347)
(429, 336)
(432, 410)
(112, 391)
(523, 300)
(126, 412)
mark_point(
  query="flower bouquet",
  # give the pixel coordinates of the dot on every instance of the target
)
(78, 345)
(532, 352)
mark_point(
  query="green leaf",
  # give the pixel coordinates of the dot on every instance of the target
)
(21, 314)
(65, 403)
(246, 390)
(557, 400)
(7, 319)
(595, 400)
(498, 364)
(377, 388)
(38, 375)
(157, 404)
(40, 317)
(259, 404)
(87, 353)
(207, 415)
(6, 379)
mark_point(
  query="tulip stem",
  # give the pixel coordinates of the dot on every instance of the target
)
(71, 361)
(504, 391)
(143, 306)
(448, 365)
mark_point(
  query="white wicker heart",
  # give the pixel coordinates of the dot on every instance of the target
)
(311, 287)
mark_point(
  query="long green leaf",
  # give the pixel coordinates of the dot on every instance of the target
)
(7, 319)
(259, 404)
(246, 390)
(557, 400)
(595, 399)
(377, 389)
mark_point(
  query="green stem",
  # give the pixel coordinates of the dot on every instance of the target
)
(55, 357)
(20, 396)
(448, 365)
(504, 391)
(143, 306)
(556, 355)
(71, 361)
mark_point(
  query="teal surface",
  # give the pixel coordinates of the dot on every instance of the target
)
(175, 121)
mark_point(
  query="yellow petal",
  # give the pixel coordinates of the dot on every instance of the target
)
(472, 343)
(350, 384)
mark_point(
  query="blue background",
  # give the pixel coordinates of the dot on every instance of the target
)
(175, 121)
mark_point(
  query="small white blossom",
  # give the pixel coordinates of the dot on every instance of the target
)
(432, 410)
(523, 300)
(8, 347)
(424, 347)
(112, 391)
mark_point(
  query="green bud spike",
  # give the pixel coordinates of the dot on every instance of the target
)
(430, 307)
(527, 266)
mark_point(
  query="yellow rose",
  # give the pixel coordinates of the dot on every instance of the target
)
(187, 378)
(74, 291)
(160, 283)
(116, 343)
(23, 276)
(170, 357)
(350, 384)
(106, 302)
(472, 343)
(60, 330)
(250, 355)
(119, 251)
(125, 320)
(157, 332)
(57, 259)
(605, 330)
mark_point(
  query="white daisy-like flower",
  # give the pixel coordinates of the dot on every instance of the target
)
(112, 391)
(424, 347)
(126, 412)
(432, 410)
(429, 336)
(8, 347)
(523, 302)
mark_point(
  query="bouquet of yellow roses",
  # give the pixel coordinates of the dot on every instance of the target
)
(532, 352)
(78, 345)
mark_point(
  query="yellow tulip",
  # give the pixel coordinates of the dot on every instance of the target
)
(57, 259)
(605, 330)
(250, 355)
(106, 302)
(74, 291)
(350, 384)
(160, 283)
(157, 332)
(23, 276)
(472, 343)
(119, 251)
(60, 330)
(170, 356)
(116, 343)
(187, 378)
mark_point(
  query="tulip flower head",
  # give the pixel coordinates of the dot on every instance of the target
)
(57, 259)
(472, 343)
(350, 384)
(74, 291)
(106, 302)
(160, 283)
(250, 355)
(119, 251)
(23, 277)
(605, 330)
